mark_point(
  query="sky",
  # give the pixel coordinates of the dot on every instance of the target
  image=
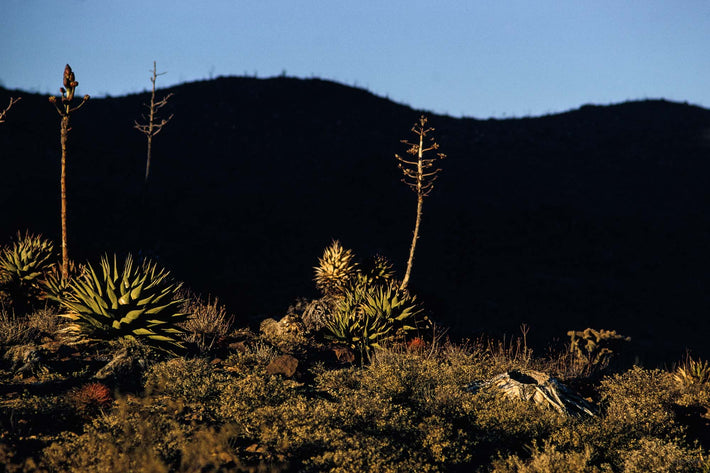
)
(473, 58)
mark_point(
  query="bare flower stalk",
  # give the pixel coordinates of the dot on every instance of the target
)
(419, 175)
(3, 113)
(65, 109)
(153, 125)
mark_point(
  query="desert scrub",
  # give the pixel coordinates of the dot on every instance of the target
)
(315, 432)
(650, 455)
(547, 459)
(35, 327)
(193, 382)
(34, 410)
(637, 405)
(640, 402)
(135, 435)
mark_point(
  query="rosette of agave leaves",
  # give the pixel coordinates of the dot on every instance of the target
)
(126, 301)
(22, 268)
(365, 316)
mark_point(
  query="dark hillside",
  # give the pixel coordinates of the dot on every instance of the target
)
(595, 217)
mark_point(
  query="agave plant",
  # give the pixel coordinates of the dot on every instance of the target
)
(692, 372)
(365, 316)
(335, 269)
(54, 286)
(376, 270)
(22, 266)
(135, 302)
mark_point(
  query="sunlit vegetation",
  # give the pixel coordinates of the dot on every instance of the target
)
(226, 403)
(116, 367)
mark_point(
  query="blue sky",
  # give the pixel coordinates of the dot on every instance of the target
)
(477, 58)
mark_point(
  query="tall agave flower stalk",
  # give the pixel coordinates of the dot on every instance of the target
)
(419, 175)
(3, 113)
(65, 109)
(153, 124)
(127, 301)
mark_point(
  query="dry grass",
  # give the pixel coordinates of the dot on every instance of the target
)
(209, 321)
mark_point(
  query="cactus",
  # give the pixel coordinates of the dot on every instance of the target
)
(335, 269)
(22, 267)
(134, 302)
(593, 348)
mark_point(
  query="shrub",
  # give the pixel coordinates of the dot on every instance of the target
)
(129, 302)
(191, 380)
(550, 460)
(207, 324)
(650, 455)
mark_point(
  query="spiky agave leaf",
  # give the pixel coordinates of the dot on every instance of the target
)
(127, 301)
(335, 269)
(53, 286)
(22, 265)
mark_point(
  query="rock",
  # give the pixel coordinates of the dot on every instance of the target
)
(537, 387)
(126, 362)
(286, 334)
(26, 360)
(284, 364)
(315, 312)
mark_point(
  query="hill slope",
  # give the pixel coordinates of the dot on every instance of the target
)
(595, 217)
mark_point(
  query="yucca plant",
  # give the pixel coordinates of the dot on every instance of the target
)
(127, 301)
(335, 269)
(22, 266)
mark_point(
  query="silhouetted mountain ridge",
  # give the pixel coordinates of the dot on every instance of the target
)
(593, 217)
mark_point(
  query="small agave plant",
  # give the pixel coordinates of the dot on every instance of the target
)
(365, 316)
(22, 266)
(127, 301)
(692, 372)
